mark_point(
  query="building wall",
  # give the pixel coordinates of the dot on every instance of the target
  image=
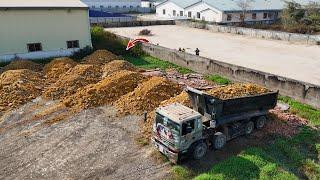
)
(52, 28)
(212, 15)
(248, 16)
(169, 8)
(112, 3)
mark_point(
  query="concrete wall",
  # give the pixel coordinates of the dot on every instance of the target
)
(134, 23)
(50, 27)
(111, 19)
(266, 34)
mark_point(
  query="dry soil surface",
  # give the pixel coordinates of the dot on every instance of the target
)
(93, 144)
(295, 61)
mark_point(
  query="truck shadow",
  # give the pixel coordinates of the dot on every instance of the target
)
(233, 147)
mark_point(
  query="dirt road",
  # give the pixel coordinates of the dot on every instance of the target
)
(296, 61)
(93, 144)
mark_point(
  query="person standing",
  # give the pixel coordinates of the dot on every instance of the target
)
(197, 52)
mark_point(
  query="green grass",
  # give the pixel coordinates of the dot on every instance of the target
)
(218, 79)
(149, 62)
(181, 173)
(286, 158)
(302, 110)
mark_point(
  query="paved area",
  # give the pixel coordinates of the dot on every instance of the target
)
(295, 61)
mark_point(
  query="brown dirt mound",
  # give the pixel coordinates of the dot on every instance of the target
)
(106, 91)
(23, 64)
(77, 77)
(147, 96)
(237, 90)
(18, 87)
(115, 66)
(100, 57)
(57, 67)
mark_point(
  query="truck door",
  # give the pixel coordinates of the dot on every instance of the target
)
(191, 131)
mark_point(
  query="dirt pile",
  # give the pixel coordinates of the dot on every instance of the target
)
(23, 64)
(18, 87)
(146, 130)
(237, 90)
(147, 96)
(106, 91)
(57, 67)
(77, 77)
(116, 65)
(100, 57)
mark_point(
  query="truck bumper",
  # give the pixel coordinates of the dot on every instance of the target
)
(172, 156)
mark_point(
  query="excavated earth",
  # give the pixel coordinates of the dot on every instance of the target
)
(92, 144)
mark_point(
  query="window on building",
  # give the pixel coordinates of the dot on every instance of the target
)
(189, 14)
(198, 15)
(131, 7)
(117, 6)
(254, 16)
(93, 7)
(109, 6)
(101, 6)
(265, 15)
(174, 12)
(229, 17)
(32, 47)
(72, 44)
(124, 6)
(138, 6)
(163, 11)
(270, 15)
(181, 13)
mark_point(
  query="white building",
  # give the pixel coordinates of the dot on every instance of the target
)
(150, 3)
(42, 28)
(94, 4)
(222, 11)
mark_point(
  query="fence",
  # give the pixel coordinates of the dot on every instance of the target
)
(134, 23)
(266, 34)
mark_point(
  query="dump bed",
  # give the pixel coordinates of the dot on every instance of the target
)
(216, 108)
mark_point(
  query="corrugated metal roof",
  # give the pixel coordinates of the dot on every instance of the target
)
(182, 3)
(231, 5)
(42, 3)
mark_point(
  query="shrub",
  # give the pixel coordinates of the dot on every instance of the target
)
(145, 32)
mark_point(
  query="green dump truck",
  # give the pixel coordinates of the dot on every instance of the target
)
(180, 131)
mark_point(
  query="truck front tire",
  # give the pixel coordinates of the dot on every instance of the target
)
(199, 150)
(261, 122)
(219, 140)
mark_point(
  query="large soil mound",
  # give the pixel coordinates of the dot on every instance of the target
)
(23, 64)
(237, 90)
(18, 87)
(106, 91)
(115, 66)
(57, 67)
(100, 57)
(77, 77)
(147, 96)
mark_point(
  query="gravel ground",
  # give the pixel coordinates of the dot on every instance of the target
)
(93, 144)
(295, 61)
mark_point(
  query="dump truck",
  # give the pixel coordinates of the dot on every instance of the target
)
(179, 131)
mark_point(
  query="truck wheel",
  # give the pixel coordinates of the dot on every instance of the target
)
(261, 122)
(199, 150)
(219, 140)
(249, 127)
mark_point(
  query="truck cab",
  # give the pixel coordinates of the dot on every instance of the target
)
(175, 129)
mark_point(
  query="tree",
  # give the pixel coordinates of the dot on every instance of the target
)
(244, 6)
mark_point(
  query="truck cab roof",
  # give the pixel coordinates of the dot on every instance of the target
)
(178, 112)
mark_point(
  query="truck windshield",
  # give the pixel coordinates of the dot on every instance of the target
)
(175, 127)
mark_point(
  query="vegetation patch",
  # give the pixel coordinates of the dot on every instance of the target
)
(149, 62)
(181, 173)
(218, 79)
(303, 110)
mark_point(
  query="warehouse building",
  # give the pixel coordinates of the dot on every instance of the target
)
(223, 11)
(102, 4)
(42, 28)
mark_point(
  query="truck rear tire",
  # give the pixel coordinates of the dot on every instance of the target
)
(199, 150)
(219, 140)
(249, 127)
(261, 122)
